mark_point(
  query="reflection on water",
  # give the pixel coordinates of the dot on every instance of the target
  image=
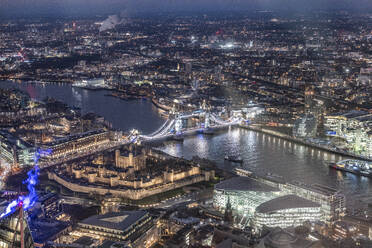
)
(260, 152)
(77, 98)
(123, 115)
(263, 153)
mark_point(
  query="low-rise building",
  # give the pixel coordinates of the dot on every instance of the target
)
(137, 227)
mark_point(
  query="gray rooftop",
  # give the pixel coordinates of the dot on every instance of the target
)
(244, 184)
(117, 221)
(284, 239)
(75, 137)
(285, 202)
(351, 114)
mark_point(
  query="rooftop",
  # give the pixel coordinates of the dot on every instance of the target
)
(244, 184)
(351, 114)
(118, 221)
(285, 202)
(75, 137)
(12, 140)
(280, 238)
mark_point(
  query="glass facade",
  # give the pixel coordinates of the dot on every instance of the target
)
(287, 217)
(242, 202)
(10, 232)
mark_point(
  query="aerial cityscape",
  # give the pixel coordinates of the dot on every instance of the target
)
(224, 124)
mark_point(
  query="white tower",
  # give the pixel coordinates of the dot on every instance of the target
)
(178, 125)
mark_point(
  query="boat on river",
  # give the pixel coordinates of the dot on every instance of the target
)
(240, 171)
(234, 159)
(358, 167)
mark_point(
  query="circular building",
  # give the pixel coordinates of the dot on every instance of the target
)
(279, 238)
(286, 211)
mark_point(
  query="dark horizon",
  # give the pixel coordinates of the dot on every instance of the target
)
(65, 8)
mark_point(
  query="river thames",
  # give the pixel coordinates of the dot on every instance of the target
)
(261, 153)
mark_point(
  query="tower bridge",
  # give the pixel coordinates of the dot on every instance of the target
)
(175, 125)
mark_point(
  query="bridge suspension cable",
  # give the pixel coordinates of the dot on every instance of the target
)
(219, 121)
(170, 123)
(161, 131)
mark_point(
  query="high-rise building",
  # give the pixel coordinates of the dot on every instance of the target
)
(15, 151)
(14, 231)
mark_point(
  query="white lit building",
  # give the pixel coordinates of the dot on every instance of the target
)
(332, 202)
(281, 204)
(355, 127)
(286, 211)
(245, 195)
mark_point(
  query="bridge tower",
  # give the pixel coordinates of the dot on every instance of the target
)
(203, 106)
(206, 108)
(173, 111)
(207, 120)
(178, 125)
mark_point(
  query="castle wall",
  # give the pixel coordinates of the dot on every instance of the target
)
(134, 194)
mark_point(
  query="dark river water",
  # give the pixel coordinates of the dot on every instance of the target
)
(123, 115)
(261, 153)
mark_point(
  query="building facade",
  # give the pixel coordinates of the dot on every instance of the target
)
(15, 151)
(136, 227)
(244, 194)
(77, 143)
(286, 211)
(262, 202)
(332, 202)
(355, 128)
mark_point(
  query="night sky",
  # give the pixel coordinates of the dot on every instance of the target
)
(21, 8)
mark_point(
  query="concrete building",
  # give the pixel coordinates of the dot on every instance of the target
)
(77, 143)
(137, 227)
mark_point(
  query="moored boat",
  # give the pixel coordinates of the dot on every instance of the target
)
(357, 167)
(235, 159)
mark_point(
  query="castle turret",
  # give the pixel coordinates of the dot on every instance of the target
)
(92, 176)
(77, 172)
(117, 156)
(114, 180)
(131, 158)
